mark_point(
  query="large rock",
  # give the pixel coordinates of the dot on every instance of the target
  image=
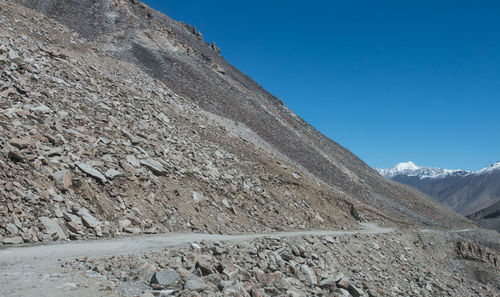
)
(13, 240)
(154, 166)
(112, 173)
(88, 219)
(309, 274)
(52, 227)
(89, 170)
(195, 284)
(13, 230)
(165, 278)
(62, 180)
(15, 58)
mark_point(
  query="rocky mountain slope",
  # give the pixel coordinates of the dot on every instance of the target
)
(466, 192)
(92, 146)
(187, 67)
(488, 217)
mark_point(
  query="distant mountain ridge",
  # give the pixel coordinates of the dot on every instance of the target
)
(469, 193)
(410, 169)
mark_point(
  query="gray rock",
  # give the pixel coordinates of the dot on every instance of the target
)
(195, 284)
(309, 274)
(165, 278)
(132, 230)
(163, 117)
(354, 291)
(329, 239)
(197, 197)
(51, 227)
(13, 240)
(154, 166)
(13, 230)
(133, 139)
(89, 170)
(62, 180)
(226, 203)
(132, 160)
(124, 223)
(88, 219)
(343, 283)
(72, 218)
(15, 58)
(112, 174)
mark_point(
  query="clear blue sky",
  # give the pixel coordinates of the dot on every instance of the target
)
(390, 80)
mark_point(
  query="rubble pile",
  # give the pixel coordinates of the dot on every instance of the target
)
(394, 264)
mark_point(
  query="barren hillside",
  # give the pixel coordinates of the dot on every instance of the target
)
(243, 160)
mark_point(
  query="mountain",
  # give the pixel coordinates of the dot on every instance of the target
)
(94, 144)
(117, 119)
(466, 192)
(488, 217)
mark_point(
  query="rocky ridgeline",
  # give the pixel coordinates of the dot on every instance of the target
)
(91, 146)
(360, 265)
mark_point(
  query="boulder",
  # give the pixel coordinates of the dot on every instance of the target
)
(165, 278)
(52, 227)
(89, 170)
(154, 166)
(13, 230)
(13, 240)
(88, 219)
(309, 274)
(195, 284)
(112, 174)
(62, 180)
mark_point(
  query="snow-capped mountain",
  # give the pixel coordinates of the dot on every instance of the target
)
(466, 192)
(410, 169)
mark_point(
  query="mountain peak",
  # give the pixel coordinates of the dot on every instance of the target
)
(406, 166)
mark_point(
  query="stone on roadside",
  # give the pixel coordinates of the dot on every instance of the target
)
(88, 219)
(165, 278)
(13, 230)
(195, 284)
(132, 230)
(52, 227)
(309, 274)
(13, 240)
(73, 227)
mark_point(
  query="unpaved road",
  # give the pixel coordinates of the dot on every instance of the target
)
(36, 270)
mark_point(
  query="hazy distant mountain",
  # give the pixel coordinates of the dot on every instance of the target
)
(466, 192)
